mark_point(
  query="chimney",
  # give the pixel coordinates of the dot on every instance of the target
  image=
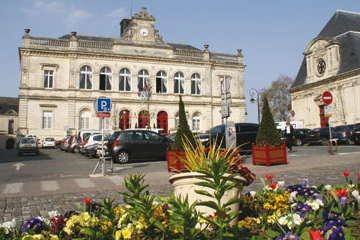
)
(124, 24)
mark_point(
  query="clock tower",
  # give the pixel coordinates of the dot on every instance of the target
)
(140, 28)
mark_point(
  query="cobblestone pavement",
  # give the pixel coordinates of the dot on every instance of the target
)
(318, 170)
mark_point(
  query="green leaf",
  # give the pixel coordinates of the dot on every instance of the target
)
(305, 235)
(351, 223)
(204, 193)
(272, 234)
(209, 204)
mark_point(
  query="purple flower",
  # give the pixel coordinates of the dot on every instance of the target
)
(291, 236)
(34, 225)
(306, 182)
(343, 201)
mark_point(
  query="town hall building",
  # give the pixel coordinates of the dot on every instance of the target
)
(62, 77)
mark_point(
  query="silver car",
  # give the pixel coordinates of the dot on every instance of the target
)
(28, 145)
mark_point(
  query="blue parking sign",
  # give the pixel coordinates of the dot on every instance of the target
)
(103, 105)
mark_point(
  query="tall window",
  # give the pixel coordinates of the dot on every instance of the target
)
(106, 123)
(47, 120)
(84, 120)
(125, 80)
(48, 78)
(195, 84)
(176, 120)
(179, 83)
(143, 79)
(86, 77)
(161, 82)
(196, 122)
(105, 79)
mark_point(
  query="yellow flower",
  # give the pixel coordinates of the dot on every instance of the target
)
(241, 224)
(38, 237)
(53, 237)
(117, 235)
(176, 231)
(126, 233)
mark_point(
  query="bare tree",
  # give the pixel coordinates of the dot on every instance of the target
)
(278, 95)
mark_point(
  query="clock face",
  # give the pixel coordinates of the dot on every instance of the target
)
(321, 66)
(143, 32)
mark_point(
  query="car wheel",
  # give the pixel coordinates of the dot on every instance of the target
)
(298, 142)
(122, 157)
(324, 142)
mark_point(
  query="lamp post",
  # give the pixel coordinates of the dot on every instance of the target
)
(255, 92)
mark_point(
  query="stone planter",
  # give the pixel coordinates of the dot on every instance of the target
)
(184, 184)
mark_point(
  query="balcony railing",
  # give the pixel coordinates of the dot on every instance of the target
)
(49, 42)
(188, 53)
(94, 44)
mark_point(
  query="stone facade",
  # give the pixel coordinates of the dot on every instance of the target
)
(331, 63)
(61, 78)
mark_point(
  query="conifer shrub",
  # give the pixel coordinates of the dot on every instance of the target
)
(268, 133)
(183, 130)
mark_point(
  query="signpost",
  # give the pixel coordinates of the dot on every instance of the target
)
(102, 108)
(327, 99)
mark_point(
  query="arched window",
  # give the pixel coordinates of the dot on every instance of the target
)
(105, 79)
(125, 80)
(176, 120)
(195, 84)
(196, 122)
(179, 83)
(143, 79)
(86, 77)
(161, 82)
(84, 120)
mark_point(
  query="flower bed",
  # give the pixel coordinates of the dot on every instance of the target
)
(294, 212)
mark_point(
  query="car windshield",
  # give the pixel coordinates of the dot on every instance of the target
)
(114, 136)
(27, 140)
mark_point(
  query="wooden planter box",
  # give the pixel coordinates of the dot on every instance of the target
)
(174, 160)
(269, 155)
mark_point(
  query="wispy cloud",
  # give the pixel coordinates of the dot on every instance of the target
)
(67, 14)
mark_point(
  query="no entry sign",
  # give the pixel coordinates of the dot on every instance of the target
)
(327, 97)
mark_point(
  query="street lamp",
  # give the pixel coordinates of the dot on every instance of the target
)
(255, 92)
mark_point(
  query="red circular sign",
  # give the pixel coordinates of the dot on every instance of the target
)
(327, 97)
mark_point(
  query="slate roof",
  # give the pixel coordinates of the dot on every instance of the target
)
(344, 27)
(8, 103)
(113, 39)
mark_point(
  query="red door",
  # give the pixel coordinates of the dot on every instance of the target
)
(124, 119)
(324, 121)
(144, 119)
(162, 120)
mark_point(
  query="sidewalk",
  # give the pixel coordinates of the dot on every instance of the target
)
(326, 169)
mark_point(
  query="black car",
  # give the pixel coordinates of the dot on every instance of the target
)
(245, 135)
(318, 136)
(300, 135)
(355, 136)
(343, 133)
(128, 145)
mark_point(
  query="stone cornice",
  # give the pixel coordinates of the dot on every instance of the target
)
(325, 81)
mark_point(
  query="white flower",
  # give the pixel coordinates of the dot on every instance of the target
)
(293, 196)
(7, 226)
(283, 220)
(281, 183)
(293, 205)
(297, 219)
(328, 187)
(290, 225)
(252, 193)
(53, 214)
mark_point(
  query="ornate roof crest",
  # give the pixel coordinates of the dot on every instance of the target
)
(143, 15)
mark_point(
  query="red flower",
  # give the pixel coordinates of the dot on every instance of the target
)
(315, 235)
(346, 173)
(269, 177)
(273, 185)
(342, 192)
(87, 201)
(359, 176)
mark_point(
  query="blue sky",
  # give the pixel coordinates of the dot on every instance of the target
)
(272, 33)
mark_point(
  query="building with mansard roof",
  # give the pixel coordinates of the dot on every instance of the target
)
(331, 63)
(62, 77)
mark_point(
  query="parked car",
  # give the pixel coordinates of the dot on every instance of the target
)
(65, 144)
(245, 135)
(28, 145)
(90, 150)
(355, 136)
(202, 137)
(73, 145)
(318, 136)
(137, 144)
(343, 133)
(48, 143)
(91, 144)
(82, 135)
(300, 136)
